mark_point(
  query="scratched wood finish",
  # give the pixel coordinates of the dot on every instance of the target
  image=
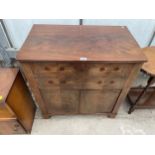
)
(80, 69)
(17, 109)
(70, 43)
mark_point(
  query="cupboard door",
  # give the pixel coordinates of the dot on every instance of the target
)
(98, 101)
(60, 101)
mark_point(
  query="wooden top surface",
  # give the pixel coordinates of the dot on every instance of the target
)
(80, 43)
(7, 77)
(149, 66)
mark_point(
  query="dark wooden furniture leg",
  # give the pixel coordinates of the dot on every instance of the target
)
(151, 80)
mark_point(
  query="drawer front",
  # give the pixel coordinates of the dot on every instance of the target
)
(107, 69)
(56, 68)
(61, 101)
(102, 83)
(8, 127)
(59, 82)
(98, 101)
(89, 69)
(80, 75)
(64, 82)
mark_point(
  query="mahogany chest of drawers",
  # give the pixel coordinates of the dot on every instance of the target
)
(80, 69)
(16, 105)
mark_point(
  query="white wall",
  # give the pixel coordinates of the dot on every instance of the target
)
(18, 29)
(142, 30)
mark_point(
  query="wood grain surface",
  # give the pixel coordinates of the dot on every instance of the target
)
(80, 69)
(7, 77)
(32, 81)
(149, 66)
(11, 127)
(98, 101)
(80, 75)
(61, 101)
(80, 43)
(17, 111)
(21, 102)
(6, 112)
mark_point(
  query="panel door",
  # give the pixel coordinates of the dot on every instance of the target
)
(98, 101)
(61, 101)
